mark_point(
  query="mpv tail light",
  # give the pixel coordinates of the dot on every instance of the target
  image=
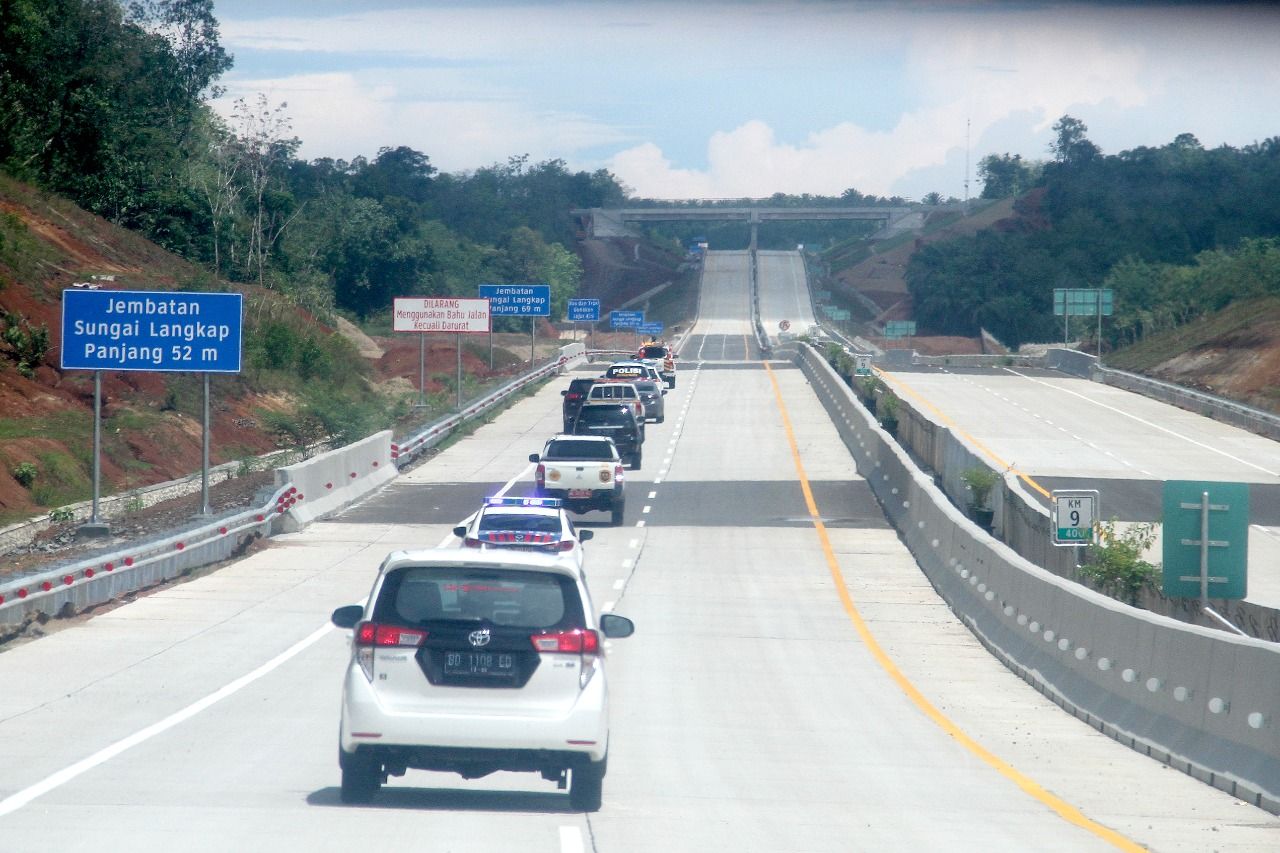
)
(370, 635)
(576, 641)
(579, 641)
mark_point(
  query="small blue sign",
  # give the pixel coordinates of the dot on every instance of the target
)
(517, 300)
(653, 329)
(584, 310)
(625, 319)
(151, 330)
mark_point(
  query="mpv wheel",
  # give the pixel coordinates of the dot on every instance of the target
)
(586, 787)
(361, 777)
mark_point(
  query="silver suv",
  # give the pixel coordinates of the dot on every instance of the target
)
(472, 662)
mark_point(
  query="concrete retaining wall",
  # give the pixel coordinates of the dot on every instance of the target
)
(1201, 700)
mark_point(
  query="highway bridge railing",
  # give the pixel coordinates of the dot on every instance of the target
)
(1198, 699)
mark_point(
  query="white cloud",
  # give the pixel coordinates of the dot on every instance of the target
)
(474, 84)
(343, 115)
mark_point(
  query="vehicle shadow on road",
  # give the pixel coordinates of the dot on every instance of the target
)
(451, 799)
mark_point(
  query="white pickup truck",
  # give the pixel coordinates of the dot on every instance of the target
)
(584, 471)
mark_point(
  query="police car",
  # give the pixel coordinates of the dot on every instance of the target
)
(525, 524)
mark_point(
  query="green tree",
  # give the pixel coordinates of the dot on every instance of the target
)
(1071, 147)
(1005, 175)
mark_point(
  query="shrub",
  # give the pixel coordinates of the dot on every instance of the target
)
(61, 515)
(25, 473)
(980, 480)
(28, 343)
(1114, 563)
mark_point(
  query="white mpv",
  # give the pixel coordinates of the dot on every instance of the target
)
(472, 662)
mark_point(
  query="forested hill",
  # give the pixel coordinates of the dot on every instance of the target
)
(1176, 231)
(106, 103)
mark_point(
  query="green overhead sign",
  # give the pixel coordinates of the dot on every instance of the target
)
(1206, 539)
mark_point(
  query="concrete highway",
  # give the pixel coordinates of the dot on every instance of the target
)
(784, 293)
(794, 682)
(1068, 433)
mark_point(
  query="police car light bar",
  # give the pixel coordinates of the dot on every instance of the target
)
(551, 503)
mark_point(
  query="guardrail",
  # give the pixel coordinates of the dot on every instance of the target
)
(406, 449)
(1228, 411)
(100, 578)
(356, 470)
(1198, 699)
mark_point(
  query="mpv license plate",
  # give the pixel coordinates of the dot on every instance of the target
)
(494, 664)
(579, 493)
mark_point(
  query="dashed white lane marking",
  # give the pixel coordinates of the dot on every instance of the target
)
(657, 481)
(652, 495)
(645, 511)
(640, 523)
(607, 606)
(571, 840)
(634, 543)
(663, 472)
(1147, 423)
(16, 801)
(619, 583)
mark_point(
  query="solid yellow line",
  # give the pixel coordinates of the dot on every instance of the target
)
(1064, 809)
(946, 421)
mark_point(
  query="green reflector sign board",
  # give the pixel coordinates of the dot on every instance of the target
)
(1228, 541)
(1082, 301)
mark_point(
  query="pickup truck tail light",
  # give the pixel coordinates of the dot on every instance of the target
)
(617, 473)
(540, 476)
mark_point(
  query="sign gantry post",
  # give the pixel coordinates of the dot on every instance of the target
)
(149, 331)
(1083, 301)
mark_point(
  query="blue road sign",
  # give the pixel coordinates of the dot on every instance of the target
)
(654, 329)
(584, 310)
(517, 300)
(625, 319)
(151, 330)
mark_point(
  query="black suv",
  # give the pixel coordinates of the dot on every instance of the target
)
(574, 396)
(616, 422)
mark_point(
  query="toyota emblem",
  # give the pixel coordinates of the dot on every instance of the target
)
(479, 638)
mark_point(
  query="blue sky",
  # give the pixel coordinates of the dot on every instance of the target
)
(732, 99)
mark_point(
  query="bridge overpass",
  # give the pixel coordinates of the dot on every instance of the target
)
(614, 221)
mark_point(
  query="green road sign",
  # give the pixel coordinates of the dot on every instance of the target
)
(899, 328)
(1224, 552)
(1082, 301)
(1073, 511)
(861, 364)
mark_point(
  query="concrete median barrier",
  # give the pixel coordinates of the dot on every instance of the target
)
(1198, 699)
